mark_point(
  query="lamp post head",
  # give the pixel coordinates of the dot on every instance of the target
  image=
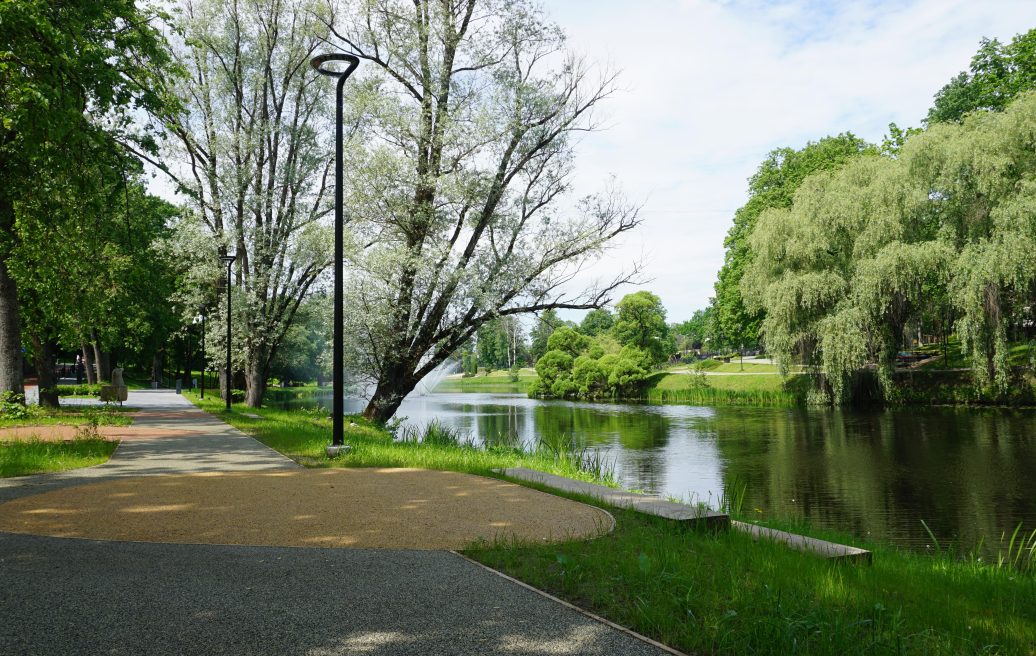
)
(227, 259)
(318, 64)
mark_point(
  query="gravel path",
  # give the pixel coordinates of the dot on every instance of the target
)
(63, 597)
(78, 596)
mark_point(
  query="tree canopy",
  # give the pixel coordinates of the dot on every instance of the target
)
(998, 74)
(772, 186)
(864, 252)
(71, 75)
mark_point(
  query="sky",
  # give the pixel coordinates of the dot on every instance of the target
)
(710, 86)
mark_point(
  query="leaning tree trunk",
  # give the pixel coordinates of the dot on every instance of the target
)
(88, 363)
(392, 388)
(44, 358)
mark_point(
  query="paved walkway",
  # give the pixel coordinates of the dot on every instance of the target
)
(78, 596)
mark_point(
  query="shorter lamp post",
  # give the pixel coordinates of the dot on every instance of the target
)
(228, 259)
(204, 359)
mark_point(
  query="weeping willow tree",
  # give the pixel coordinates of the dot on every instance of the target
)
(867, 251)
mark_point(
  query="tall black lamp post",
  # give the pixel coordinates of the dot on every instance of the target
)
(228, 259)
(338, 377)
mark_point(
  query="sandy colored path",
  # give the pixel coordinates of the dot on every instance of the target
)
(181, 475)
(369, 508)
(59, 433)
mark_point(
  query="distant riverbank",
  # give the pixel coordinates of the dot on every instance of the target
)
(760, 384)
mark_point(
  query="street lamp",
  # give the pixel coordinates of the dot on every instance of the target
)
(204, 359)
(228, 259)
(338, 377)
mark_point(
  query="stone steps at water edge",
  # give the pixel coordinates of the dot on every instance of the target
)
(681, 512)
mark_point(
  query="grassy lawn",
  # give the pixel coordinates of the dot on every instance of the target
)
(67, 416)
(734, 366)
(727, 390)
(723, 593)
(497, 381)
(36, 456)
(713, 593)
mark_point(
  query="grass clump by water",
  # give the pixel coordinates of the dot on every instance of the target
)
(35, 456)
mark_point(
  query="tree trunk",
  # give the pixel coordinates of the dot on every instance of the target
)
(88, 363)
(389, 394)
(11, 379)
(44, 358)
(101, 360)
(156, 366)
(255, 382)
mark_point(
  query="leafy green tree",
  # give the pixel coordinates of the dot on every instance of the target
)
(772, 186)
(997, 75)
(629, 369)
(546, 323)
(597, 322)
(554, 375)
(640, 323)
(301, 356)
(70, 74)
(590, 376)
(691, 334)
(568, 340)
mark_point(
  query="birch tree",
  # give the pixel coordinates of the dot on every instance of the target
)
(251, 150)
(458, 197)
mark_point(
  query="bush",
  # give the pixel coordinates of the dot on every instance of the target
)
(12, 406)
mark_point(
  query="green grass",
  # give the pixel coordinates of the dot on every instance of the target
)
(496, 382)
(734, 366)
(302, 435)
(78, 390)
(35, 415)
(723, 593)
(36, 456)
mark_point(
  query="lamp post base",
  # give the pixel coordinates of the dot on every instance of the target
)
(334, 451)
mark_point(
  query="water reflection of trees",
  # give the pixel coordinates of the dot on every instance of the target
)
(966, 473)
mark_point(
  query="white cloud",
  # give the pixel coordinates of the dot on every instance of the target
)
(712, 86)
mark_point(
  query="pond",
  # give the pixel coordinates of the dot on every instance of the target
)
(968, 473)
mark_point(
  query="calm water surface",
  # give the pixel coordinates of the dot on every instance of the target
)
(967, 473)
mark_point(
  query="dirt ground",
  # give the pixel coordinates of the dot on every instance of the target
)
(60, 432)
(369, 508)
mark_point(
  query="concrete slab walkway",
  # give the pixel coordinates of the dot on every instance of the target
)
(81, 596)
